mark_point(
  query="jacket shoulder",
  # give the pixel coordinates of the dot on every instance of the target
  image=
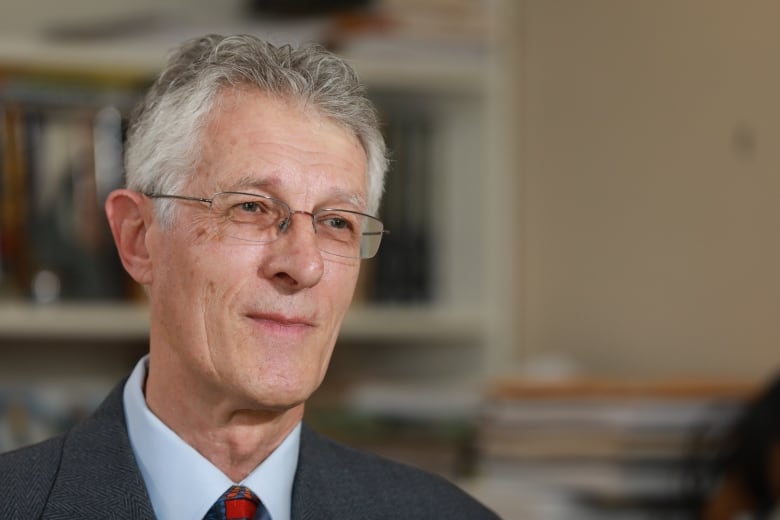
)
(369, 486)
(26, 478)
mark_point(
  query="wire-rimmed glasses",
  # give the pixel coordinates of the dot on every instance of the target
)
(262, 219)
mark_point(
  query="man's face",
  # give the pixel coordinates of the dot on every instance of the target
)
(256, 323)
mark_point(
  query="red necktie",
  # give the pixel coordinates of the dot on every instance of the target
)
(237, 503)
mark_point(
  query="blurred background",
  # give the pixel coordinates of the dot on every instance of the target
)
(580, 291)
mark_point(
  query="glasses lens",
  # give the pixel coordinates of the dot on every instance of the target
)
(244, 216)
(347, 233)
(372, 237)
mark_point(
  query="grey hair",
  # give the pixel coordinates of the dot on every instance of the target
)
(163, 139)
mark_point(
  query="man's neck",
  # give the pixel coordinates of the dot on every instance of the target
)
(235, 439)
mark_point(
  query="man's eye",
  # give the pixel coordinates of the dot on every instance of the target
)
(252, 206)
(338, 223)
(335, 222)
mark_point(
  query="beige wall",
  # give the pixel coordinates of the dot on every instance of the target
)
(651, 185)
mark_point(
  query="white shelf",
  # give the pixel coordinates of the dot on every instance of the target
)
(140, 59)
(73, 321)
(130, 322)
(412, 323)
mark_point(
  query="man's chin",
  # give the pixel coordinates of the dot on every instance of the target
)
(283, 402)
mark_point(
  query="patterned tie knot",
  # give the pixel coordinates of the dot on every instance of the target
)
(237, 503)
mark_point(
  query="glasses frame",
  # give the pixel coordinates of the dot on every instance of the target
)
(285, 223)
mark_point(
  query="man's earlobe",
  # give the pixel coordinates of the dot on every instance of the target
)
(129, 220)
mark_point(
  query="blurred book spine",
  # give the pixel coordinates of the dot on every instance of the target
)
(402, 270)
(14, 251)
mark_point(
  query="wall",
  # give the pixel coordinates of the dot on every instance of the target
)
(651, 182)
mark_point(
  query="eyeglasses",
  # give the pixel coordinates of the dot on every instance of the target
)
(262, 219)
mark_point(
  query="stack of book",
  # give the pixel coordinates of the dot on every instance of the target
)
(424, 424)
(31, 413)
(606, 444)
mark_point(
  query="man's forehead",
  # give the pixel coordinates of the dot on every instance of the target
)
(276, 146)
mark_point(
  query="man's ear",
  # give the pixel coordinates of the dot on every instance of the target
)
(129, 218)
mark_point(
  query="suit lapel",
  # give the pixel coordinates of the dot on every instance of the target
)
(98, 476)
(306, 499)
(317, 495)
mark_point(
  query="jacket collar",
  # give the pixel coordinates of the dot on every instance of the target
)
(98, 473)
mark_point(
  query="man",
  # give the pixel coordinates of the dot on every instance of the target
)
(253, 173)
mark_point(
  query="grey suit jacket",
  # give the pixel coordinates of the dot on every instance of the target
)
(91, 473)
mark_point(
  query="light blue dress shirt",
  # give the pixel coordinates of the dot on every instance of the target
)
(184, 484)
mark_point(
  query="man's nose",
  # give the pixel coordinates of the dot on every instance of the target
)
(295, 261)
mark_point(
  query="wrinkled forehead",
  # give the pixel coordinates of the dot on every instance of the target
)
(253, 141)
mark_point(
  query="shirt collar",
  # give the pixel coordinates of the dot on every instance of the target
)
(184, 484)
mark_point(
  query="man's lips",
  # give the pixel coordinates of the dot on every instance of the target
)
(282, 319)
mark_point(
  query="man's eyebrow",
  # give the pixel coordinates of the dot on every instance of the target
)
(353, 199)
(334, 197)
(252, 182)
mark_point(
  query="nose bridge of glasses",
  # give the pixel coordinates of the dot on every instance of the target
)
(285, 224)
